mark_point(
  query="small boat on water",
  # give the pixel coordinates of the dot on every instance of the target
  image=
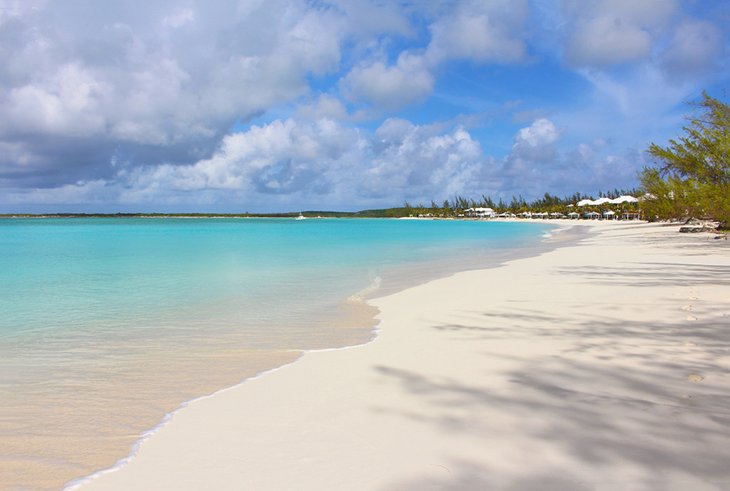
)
(300, 217)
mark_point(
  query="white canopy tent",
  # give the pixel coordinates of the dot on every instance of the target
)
(624, 199)
(603, 201)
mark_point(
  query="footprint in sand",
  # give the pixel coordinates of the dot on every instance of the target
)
(690, 343)
(691, 318)
(687, 308)
(695, 377)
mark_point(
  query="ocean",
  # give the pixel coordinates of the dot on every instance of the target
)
(107, 325)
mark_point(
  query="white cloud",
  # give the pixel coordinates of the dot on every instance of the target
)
(312, 43)
(530, 164)
(371, 18)
(179, 18)
(649, 13)
(67, 102)
(389, 87)
(535, 141)
(608, 40)
(283, 156)
(537, 163)
(480, 32)
(422, 161)
(165, 76)
(289, 160)
(287, 163)
(611, 32)
(695, 49)
(325, 106)
(541, 132)
(468, 30)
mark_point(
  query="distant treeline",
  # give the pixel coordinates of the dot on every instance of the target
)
(179, 215)
(517, 204)
(449, 208)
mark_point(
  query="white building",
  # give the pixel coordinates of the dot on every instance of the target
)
(480, 212)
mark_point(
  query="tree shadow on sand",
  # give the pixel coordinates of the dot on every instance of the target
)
(655, 274)
(470, 476)
(655, 396)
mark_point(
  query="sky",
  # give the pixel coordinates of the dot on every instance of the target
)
(287, 105)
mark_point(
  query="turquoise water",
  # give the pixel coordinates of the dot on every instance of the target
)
(107, 324)
(70, 274)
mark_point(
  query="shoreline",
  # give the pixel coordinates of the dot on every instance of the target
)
(363, 316)
(120, 413)
(335, 391)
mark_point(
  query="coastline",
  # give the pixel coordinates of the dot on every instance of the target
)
(442, 396)
(123, 391)
(354, 324)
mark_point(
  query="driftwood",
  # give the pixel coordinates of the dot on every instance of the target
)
(696, 225)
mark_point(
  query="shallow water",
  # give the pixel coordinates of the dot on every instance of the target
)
(106, 325)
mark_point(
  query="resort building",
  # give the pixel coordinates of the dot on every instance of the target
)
(480, 212)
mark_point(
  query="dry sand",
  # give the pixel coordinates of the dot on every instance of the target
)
(600, 365)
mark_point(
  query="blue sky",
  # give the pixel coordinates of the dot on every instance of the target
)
(253, 105)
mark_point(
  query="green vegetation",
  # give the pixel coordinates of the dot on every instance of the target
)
(309, 214)
(692, 176)
(448, 209)
(547, 204)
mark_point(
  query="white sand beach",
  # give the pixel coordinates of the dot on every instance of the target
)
(601, 365)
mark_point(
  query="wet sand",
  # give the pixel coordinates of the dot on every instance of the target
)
(87, 417)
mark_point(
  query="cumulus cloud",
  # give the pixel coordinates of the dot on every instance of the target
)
(537, 163)
(289, 162)
(66, 102)
(390, 87)
(480, 32)
(325, 158)
(325, 106)
(534, 143)
(532, 146)
(608, 40)
(422, 161)
(312, 160)
(161, 76)
(610, 32)
(540, 133)
(283, 156)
